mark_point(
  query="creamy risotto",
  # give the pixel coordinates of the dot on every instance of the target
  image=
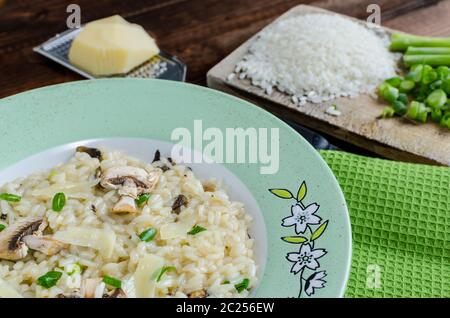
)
(108, 225)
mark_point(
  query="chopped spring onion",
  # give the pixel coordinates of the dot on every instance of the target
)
(406, 86)
(403, 98)
(142, 199)
(436, 114)
(394, 81)
(10, 197)
(418, 111)
(399, 107)
(446, 86)
(2, 227)
(148, 235)
(226, 282)
(443, 72)
(437, 98)
(242, 285)
(59, 201)
(50, 279)
(415, 73)
(111, 281)
(388, 112)
(429, 75)
(388, 92)
(196, 229)
(445, 120)
(163, 270)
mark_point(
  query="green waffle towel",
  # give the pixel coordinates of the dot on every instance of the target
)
(400, 215)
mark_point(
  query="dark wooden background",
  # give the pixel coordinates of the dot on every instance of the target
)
(200, 32)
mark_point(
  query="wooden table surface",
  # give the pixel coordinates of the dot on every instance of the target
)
(199, 32)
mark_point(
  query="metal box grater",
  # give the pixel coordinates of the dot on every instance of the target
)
(162, 66)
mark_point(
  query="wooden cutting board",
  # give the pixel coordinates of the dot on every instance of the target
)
(394, 138)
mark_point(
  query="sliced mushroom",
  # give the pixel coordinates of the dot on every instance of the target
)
(157, 156)
(12, 246)
(44, 244)
(201, 293)
(116, 293)
(180, 201)
(92, 152)
(130, 182)
(92, 288)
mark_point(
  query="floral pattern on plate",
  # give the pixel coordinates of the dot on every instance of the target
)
(308, 227)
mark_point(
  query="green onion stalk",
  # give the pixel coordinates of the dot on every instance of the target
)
(429, 59)
(401, 41)
(414, 50)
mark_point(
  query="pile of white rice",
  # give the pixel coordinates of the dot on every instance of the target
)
(212, 261)
(317, 57)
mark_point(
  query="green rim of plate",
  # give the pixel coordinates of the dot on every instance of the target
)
(44, 118)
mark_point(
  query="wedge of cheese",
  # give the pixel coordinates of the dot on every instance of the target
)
(111, 46)
(144, 277)
(100, 239)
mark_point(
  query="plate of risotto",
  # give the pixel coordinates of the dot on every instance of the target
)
(136, 188)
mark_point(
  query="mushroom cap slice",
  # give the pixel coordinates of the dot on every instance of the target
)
(44, 244)
(12, 246)
(130, 181)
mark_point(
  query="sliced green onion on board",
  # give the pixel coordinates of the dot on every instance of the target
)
(394, 81)
(2, 227)
(148, 235)
(418, 111)
(437, 98)
(111, 281)
(49, 279)
(59, 201)
(406, 86)
(388, 92)
(388, 112)
(399, 107)
(10, 197)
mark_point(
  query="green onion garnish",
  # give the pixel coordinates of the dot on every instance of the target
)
(242, 285)
(225, 282)
(59, 201)
(2, 227)
(388, 112)
(142, 199)
(196, 229)
(50, 279)
(108, 280)
(163, 270)
(148, 235)
(10, 197)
